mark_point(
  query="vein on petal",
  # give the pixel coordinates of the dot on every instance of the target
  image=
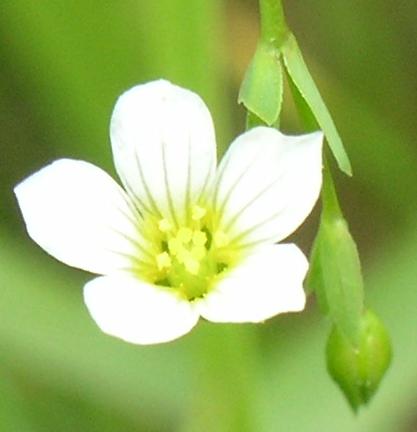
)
(255, 227)
(220, 172)
(167, 189)
(145, 186)
(133, 242)
(135, 260)
(206, 182)
(128, 216)
(187, 202)
(242, 174)
(134, 200)
(234, 218)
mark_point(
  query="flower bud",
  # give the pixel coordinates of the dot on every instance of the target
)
(359, 370)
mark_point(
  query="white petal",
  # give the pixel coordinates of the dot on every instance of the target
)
(138, 312)
(163, 146)
(267, 184)
(79, 215)
(267, 283)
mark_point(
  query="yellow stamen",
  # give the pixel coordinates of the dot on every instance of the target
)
(182, 255)
(163, 261)
(184, 235)
(199, 238)
(198, 252)
(174, 246)
(165, 225)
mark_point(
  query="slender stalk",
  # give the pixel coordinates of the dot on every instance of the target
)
(226, 379)
(330, 201)
(274, 29)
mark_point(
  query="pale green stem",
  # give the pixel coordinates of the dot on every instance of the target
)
(226, 379)
(274, 29)
(331, 207)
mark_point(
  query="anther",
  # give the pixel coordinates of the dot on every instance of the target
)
(174, 246)
(165, 225)
(184, 235)
(163, 261)
(198, 252)
(199, 238)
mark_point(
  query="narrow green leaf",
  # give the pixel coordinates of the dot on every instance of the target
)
(261, 90)
(300, 75)
(307, 117)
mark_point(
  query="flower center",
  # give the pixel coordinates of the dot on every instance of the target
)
(190, 257)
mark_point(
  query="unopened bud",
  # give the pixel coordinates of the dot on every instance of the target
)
(359, 370)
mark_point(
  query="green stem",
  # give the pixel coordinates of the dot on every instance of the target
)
(226, 379)
(331, 207)
(274, 29)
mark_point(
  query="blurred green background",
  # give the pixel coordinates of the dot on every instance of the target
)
(62, 65)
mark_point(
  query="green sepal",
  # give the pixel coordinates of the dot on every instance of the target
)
(262, 87)
(315, 277)
(336, 278)
(252, 120)
(308, 120)
(359, 370)
(335, 273)
(301, 77)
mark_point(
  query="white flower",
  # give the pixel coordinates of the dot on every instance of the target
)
(182, 239)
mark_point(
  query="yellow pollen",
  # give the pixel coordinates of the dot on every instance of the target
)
(198, 213)
(182, 255)
(184, 235)
(189, 257)
(163, 261)
(198, 252)
(220, 239)
(174, 246)
(165, 225)
(199, 238)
